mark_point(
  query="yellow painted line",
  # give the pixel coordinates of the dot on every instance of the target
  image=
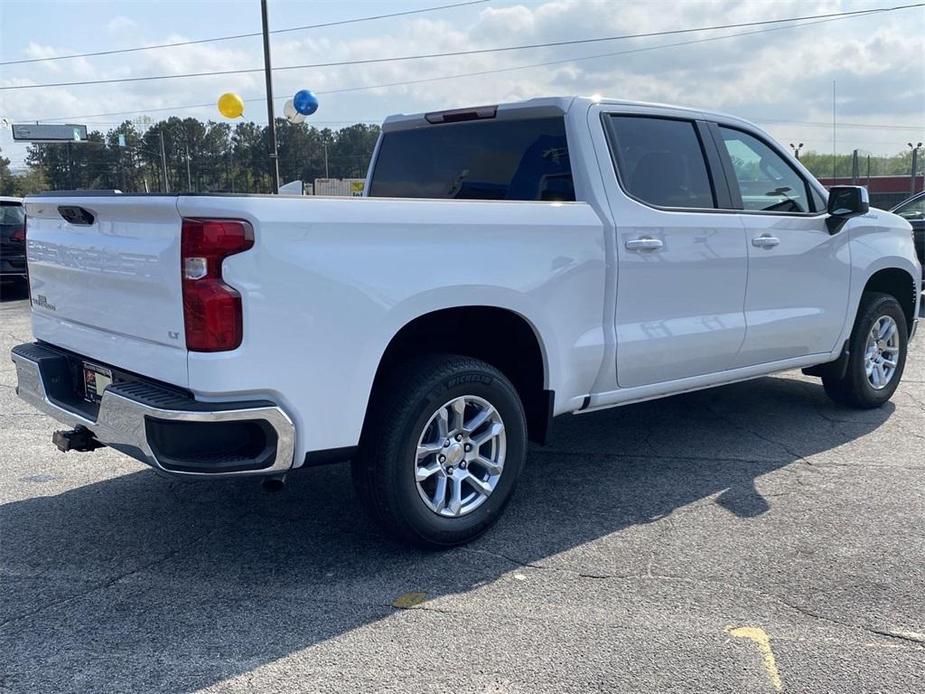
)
(761, 638)
(409, 600)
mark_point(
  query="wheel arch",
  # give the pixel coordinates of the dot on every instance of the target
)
(518, 352)
(900, 284)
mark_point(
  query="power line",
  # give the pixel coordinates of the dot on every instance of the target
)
(116, 123)
(189, 107)
(820, 124)
(242, 36)
(530, 66)
(501, 49)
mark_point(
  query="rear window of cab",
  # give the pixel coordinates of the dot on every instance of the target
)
(476, 160)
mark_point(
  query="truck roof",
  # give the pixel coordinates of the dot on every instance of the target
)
(546, 106)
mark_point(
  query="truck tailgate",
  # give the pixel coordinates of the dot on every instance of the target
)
(105, 279)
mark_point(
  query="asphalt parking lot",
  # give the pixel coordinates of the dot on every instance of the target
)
(753, 538)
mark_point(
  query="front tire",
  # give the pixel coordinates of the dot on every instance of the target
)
(877, 354)
(444, 444)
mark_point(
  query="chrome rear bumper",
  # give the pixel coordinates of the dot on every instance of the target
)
(128, 413)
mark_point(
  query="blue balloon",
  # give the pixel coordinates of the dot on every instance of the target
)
(305, 102)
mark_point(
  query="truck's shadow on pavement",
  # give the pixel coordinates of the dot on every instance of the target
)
(141, 583)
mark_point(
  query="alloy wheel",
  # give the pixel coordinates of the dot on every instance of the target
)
(460, 456)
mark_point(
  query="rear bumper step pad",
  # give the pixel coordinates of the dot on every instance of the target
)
(172, 432)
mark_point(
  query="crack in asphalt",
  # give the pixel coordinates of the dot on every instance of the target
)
(905, 637)
(505, 557)
(659, 541)
(820, 407)
(120, 577)
(919, 403)
(911, 638)
(650, 456)
(649, 575)
(760, 435)
(748, 461)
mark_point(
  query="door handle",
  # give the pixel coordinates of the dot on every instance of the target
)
(765, 241)
(644, 243)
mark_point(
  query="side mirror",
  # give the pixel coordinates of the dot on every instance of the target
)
(846, 202)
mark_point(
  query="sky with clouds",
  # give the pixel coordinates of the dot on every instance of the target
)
(781, 79)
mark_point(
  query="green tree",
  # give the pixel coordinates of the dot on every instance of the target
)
(213, 161)
(32, 181)
(199, 156)
(122, 159)
(352, 149)
(6, 177)
(20, 185)
(820, 164)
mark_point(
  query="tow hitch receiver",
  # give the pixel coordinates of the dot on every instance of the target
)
(77, 439)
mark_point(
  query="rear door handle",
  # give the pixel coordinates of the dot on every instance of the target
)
(765, 241)
(644, 243)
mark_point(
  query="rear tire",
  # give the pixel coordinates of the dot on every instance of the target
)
(444, 444)
(877, 354)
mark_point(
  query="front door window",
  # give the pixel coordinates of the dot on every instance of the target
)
(766, 181)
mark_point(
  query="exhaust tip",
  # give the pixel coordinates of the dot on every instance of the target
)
(274, 484)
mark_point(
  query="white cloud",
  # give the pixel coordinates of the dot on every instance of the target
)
(120, 24)
(36, 50)
(772, 76)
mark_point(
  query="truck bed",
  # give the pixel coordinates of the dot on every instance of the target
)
(111, 290)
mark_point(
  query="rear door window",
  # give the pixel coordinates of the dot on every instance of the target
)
(476, 160)
(660, 161)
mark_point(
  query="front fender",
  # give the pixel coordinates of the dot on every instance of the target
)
(879, 241)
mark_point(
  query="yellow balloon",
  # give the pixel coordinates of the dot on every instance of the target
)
(231, 105)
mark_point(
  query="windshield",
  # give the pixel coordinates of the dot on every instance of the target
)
(12, 213)
(912, 209)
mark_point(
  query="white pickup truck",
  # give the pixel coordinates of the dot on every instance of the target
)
(509, 264)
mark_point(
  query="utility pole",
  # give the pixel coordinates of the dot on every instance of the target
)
(915, 157)
(271, 121)
(189, 179)
(326, 175)
(834, 155)
(163, 161)
(70, 172)
(796, 149)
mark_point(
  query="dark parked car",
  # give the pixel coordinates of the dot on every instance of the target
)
(12, 240)
(913, 211)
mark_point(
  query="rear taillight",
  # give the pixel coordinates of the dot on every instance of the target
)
(211, 309)
(18, 234)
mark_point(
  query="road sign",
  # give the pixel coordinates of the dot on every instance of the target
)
(49, 132)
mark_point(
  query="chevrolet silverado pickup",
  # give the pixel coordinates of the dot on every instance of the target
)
(507, 264)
